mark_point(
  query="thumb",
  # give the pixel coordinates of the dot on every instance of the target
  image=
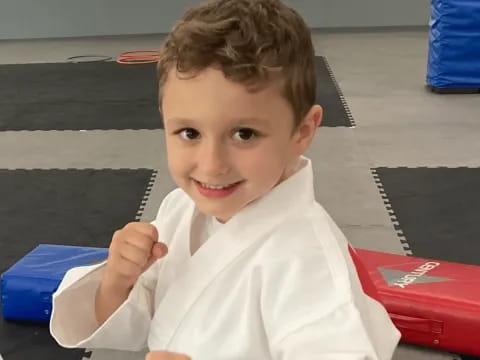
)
(159, 250)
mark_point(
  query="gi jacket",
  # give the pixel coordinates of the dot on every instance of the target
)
(275, 282)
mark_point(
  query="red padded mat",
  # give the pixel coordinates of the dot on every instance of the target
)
(433, 303)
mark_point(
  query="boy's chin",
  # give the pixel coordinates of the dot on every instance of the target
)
(221, 216)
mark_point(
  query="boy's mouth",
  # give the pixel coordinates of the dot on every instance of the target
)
(217, 191)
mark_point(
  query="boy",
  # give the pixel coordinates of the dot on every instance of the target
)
(256, 269)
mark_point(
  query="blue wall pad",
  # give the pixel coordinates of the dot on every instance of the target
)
(454, 46)
(106, 95)
(60, 207)
(436, 210)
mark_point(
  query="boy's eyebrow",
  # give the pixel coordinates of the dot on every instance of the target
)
(179, 121)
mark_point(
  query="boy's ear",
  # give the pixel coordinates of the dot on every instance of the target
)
(160, 112)
(316, 112)
(307, 128)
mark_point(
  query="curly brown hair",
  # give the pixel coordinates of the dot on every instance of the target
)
(253, 42)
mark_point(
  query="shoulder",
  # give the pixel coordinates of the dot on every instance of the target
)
(310, 233)
(309, 246)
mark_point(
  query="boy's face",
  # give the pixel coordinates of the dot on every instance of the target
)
(226, 146)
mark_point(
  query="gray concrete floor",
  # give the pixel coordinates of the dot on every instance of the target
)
(382, 75)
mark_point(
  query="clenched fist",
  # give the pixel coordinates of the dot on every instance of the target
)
(165, 355)
(132, 251)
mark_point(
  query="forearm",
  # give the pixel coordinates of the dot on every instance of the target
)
(108, 299)
(80, 306)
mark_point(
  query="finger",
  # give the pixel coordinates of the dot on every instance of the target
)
(146, 229)
(165, 355)
(140, 240)
(134, 254)
(126, 269)
(125, 236)
(155, 249)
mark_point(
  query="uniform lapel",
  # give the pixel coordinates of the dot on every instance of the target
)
(240, 233)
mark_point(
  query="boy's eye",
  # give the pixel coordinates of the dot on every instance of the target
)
(188, 133)
(245, 134)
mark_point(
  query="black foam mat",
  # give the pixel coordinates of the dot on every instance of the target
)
(76, 96)
(106, 95)
(329, 95)
(69, 207)
(437, 210)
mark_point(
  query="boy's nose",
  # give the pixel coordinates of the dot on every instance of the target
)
(212, 160)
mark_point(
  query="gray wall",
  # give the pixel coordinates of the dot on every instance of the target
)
(363, 13)
(20, 19)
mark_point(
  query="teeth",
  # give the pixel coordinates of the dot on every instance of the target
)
(216, 187)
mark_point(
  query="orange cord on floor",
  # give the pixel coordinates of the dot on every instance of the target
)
(138, 57)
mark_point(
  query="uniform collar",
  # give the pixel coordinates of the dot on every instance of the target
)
(283, 199)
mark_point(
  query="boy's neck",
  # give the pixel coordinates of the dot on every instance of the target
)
(294, 166)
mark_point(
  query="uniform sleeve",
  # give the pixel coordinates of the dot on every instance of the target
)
(73, 323)
(312, 312)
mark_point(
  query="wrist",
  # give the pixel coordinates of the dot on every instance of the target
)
(114, 286)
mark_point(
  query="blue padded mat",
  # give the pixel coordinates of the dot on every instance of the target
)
(27, 287)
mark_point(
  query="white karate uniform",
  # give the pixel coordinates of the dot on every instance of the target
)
(275, 282)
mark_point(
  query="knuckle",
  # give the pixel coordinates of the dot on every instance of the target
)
(152, 230)
(118, 237)
(112, 249)
(130, 225)
(143, 243)
(147, 230)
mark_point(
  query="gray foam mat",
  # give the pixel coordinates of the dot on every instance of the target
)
(69, 207)
(106, 96)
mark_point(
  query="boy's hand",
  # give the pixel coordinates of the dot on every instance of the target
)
(132, 251)
(165, 355)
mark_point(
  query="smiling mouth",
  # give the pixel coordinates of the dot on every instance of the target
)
(217, 191)
(217, 187)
